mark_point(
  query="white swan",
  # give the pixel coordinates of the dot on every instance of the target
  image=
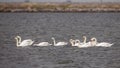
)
(84, 40)
(42, 44)
(72, 42)
(82, 45)
(102, 44)
(77, 41)
(59, 43)
(85, 43)
(23, 43)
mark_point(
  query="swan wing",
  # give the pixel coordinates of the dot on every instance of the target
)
(26, 43)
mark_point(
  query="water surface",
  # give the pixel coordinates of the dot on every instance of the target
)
(63, 26)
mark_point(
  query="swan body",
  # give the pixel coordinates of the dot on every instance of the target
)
(102, 44)
(23, 43)
(86, 45)
(59, 43)
(82, 45)
(43, 44)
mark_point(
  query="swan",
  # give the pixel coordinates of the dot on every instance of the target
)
(102, 44)
(77, 41)
(23, 43)
(85, 43)
(42, 44)
(72, 42)
(84, 40)
(59, 43)
(82, 45)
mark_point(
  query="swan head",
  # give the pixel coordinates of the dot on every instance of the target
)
(71, 40)
(84, 36)
(52, 38)
(18, 36)
(93, 39)
(15, 38)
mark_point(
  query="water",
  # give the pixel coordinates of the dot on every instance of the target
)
(63, 26)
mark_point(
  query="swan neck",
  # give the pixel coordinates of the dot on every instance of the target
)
(94, 42)
(84, 40)
(54, 42)
(19, 41)
(79, 41)
(72, 42)
(17, 44)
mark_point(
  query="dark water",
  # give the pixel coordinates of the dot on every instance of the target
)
(63, 26)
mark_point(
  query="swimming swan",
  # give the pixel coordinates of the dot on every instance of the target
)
(59, 43)
(102, 44)
(82, 45)
(23, 43)
(72, 42)
(77, 42)
(84, 40)
(42, 44)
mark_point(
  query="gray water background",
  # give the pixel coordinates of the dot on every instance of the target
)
(63, 26)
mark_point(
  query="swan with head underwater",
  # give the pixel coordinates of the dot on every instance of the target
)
(19, 43)
(58, 43)
(102, 44)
